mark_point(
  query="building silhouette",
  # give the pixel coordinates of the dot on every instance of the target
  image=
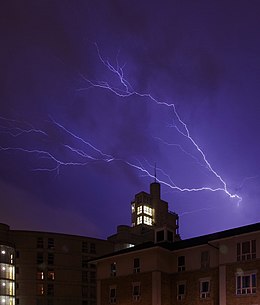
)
(145, 263)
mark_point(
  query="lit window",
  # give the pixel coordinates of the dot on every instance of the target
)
(136, 291)
(40, 275)
(181, 263)
(133, 208)
(204, 289)
(181, 288)
(139, 209)
(40, 289)
(246, 250)
(148, 220)
(148, 210)
(3, 252)
(139, 220)
(246, 284)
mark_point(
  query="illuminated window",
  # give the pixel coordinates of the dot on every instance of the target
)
(133, 208)
(40, 275)
(139, 209)
(204, 289)
(139, 220)
(246, 284)
(246, 250)
(148, 210)
(148, 220)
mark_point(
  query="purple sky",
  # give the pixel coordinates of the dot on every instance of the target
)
(200, 56)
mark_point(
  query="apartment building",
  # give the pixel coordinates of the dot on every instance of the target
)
(220, 268)
(41, 268)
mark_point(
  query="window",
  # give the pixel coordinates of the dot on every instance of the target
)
(50, 289)
(40, 275)
(136, 265)
(204, 259)
(133, 208)
(85, 247)
(181, 263)
(51, 243)
(51, 275)
(112, 294)
(92, 276)
(40, 242)
(40, 289)
(50, 258)
(93, 293)
(84, 276)
(136, 291)
(148, 210)
(204, 289)
(181, 290)
(39, 258)
(85, 291)
(139, 210)
(92, 248)
(169, 235)
(246, 250)
(85, 261)
(160, 235)
(113, 269)
(148, 220)
(246, 284)
(139, 220)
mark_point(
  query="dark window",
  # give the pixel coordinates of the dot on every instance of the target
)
(136, 265)
(160, 235)
(246, 284)
(92, 248)
(17, 254)
(204, 259)
(92, 276)
(112, 295)
(113, 269)
(50, 289)
(181, 291)
(84, 276)
(169, 235)
(246, 250)
(85, 291)
(85, 262)
(181, 263)
(51, 243)
(50, 258)
(40, 242)
(85, 247)
(39, 258)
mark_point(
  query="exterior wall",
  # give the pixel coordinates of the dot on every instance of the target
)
(124, 286)
(74, 279)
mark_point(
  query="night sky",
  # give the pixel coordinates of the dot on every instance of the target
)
(95, 93)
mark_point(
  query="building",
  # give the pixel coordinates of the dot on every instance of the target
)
(216, 269)
(149, 213)
(40, 268)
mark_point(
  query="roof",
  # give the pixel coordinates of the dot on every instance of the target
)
(187, 243)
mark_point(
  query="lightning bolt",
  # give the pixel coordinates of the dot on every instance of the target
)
(87, 152)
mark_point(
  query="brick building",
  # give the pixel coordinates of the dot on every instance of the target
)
(220, 268)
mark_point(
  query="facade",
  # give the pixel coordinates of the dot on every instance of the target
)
(216, 269)
(50, 268)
